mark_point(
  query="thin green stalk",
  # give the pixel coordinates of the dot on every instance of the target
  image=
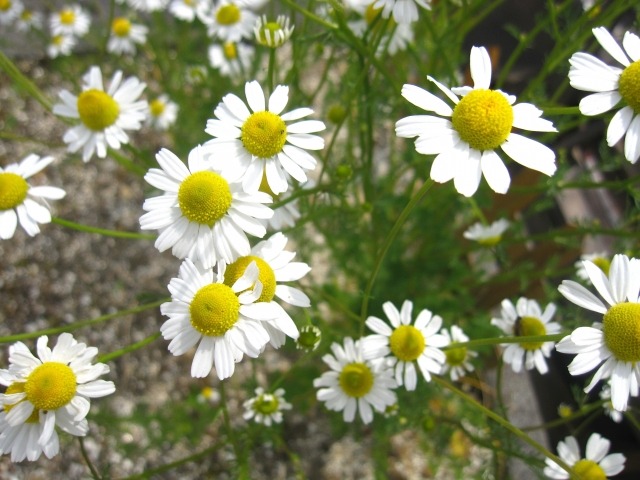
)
(126, 163)
(129, 348)
(303, 192)
(310, 15)
(85, 456)
(385, 248)
(477, 210)
(634, 421)
(112, 9)
(83, 323)
(561, 421)
(23, 82)
(506, 425)
(481, 342)
(229, 429)
(101, 231)
(271, 75)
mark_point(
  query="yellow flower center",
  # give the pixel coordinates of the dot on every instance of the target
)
(629, 85)
(214, 310)
(530, 326)
(266, 404)
(13, 190)
(18, 387)
(589, 470)
(121, 27)
(5, 5)
(50, 386)
(621, 329)
(230, 51)
(407, 343)
(456, 356)
(228, 15)
(263, 134)
(97, 109)
(603, 264)
(156, 107)
(57, 40)
(490, 241)
(67, 17)
(356, 379)
(483, 119)
(204, 197)
(266, 275)
(26, 15)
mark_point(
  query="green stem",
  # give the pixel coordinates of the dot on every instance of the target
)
(561, 421)
(129, 348)
(229, 428)
(560, 110)
(101, 231)
(481, 342)
(310, 15)
(92, 469)
(477, 210)
(303, 192)
(505, 424)
(126, 163)
(81, 324)
(23, 82)
(271, 75)
(385, 248)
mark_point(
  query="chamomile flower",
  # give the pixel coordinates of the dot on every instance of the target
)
(52, 389)
(396, 36)
(262, 142)
(266, 408)
(596, 465)
(612, 85)
(601, 259)
(104, 115)
(407, 344)
(276, 267)
(61, 45)
(227, 20)
(70, 20)
(184, 9)
(10, 10)
(404, 11)
(480, 123)
(487, 235)
(523, 320)
(19, 201)
(231, 59)
(273, 34)
(125, 35)
(309, 339)
(162, 112)
(29, 20)
(225, 322)
(202, 215)
(354, 384)
(458, 359)
(615, 341)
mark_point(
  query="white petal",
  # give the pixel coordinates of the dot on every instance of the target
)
(610, 45)
(255, 96)
(619, 125)
(631, 44)
(480, 66)
(632, 141)
(530, 153)
(576, 293)
(495, 171)
(598, 103)
(425, 100)
(467, 179)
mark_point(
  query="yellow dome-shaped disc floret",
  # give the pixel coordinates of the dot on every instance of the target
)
(5, 5)
(629, 85)
(156, 107)
(264, 134)
(483, 119)
(67, 17)
(407, 343)
(266, 404)
(97, 109)
(528, 327)
(589, 470)
(13, 190)
(621, 329)
(204, 197)
(228, 15)
(230, 50)
(266, 275)
(603, 264)
(456, 356)
(121, 27)
(50, 386)
(214, 310)
(356, 379)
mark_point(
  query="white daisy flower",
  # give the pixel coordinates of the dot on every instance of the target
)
(597, 463)
(266, 408)
(612, 85)
(458, 358)
(398, 36)
(208, 395)
(61, 45)
(52, 389)
(605, 394)
(10, 10)
(262, 142)
(600, 259)
(226, 322)
(70, 20)
(20, 201)
(276, 267)
(404, 11)
(231, 59)
(523, 320)
(184, 9)
(273, 34)
(202, 215)
(227, 20)
(29, 20)
(125, 35)
(480, 123)
(145, 5)
(487, 235)
(104, 115)
(406, 344)
(615, 341)
(354, 384)
(21, 441)
(162, 112)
